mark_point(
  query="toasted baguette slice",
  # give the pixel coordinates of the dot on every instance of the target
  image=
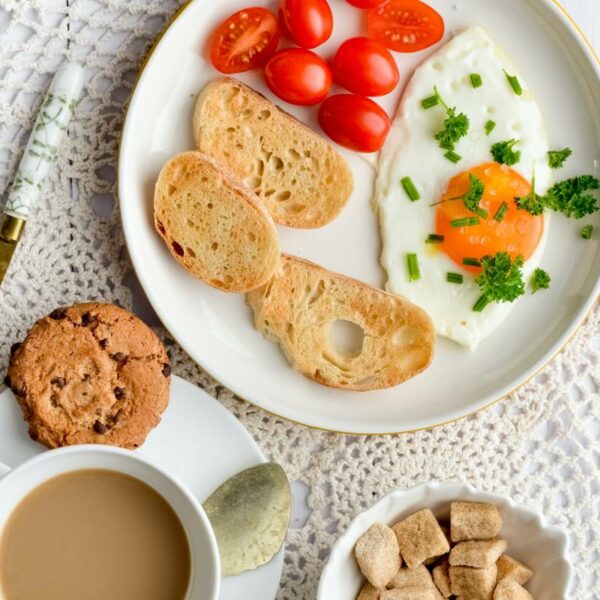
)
(299, 305)
(213, 225)
(301, 178)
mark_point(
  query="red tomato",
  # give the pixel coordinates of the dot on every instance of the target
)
(354, 122)
(405, 25)
(308, 22)
(247, 39)
(365, 67)
(366, 3)
(298, 76)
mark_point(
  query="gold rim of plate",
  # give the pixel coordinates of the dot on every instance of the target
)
(178, 13)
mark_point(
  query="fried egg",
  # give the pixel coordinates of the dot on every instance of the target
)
(411, 151)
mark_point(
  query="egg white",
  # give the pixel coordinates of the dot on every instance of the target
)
(411, 151)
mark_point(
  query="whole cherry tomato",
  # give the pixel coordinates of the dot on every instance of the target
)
(405, 25)
(247, 39)
(355, 122)
(365, 67)
(298, 76)
(366, 3)
(309, 23)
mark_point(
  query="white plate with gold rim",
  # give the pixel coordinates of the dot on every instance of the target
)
(216, 329)
(198, 441)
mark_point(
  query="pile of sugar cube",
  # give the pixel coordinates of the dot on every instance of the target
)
(421, 559)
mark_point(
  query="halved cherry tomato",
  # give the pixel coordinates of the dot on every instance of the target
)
(366, 3)
(247, 39)
(298, 76)
(355, 122)
(365, 67)
(309, 23)
(405, 25)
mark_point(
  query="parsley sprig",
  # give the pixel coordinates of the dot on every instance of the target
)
(569, 197)
(558, 158)
(504, 153)
(540, 280)
(501, 279)
(472, 198)
(456, 126)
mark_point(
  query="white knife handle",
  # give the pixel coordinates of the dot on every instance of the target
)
(42, 148)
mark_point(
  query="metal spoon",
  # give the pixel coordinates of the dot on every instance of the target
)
(250, 514)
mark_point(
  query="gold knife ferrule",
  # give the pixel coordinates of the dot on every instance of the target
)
(11, 228)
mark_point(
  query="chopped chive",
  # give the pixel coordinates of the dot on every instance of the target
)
(455, 278)
(410, 189)
(434, 238)
(515, 84)
(471, 262)
(466, 222)
(489, 127)
(481, 304)
(501, 212)
(484, 214)
(453, 157)
(430, 102)
(587, 231)
(414, 272)
(476, 80)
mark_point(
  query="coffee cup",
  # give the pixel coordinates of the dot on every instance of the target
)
(21, 484)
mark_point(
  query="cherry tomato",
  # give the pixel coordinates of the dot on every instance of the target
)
(247, 39)
(308, 22)
(365, 67)
(366, 3)
(355, 122)
(405, 25)
(298, 76)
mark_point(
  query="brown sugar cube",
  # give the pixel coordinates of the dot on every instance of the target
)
(480, 553)
(512, 569)
(378, 555)
(419, 577)
(409, 593)
(509, 589)
(420, 537)
(474, 521)
(441, 578)
(473, 584)
(368, 592)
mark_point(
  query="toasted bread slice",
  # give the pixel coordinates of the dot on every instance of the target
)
(213, 225)
(299, 306)
(303, 181)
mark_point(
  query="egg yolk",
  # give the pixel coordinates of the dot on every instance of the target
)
(518, 233)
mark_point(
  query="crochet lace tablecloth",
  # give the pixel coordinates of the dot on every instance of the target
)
(540, 446)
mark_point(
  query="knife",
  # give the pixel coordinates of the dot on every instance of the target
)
(40, 154)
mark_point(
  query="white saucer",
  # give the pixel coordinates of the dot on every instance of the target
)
(198, 441)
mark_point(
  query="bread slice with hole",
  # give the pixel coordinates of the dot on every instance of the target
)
(298, 307)
(213, 225)
(303, 181)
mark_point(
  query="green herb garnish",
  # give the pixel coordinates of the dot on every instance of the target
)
(453, 157)
(515, 84)
(476, 80)
(414, 273)
(587, 232)
(489, 127)
(471, 262)
(501, 279)
(430, 102)
(540, 280)
(465, 222)
(410, 189)
(434, 238)
(558, 158)
(504, 154)
(533, 203)
(501, 212)
(456, 126)
(570, 198)
(455, 278)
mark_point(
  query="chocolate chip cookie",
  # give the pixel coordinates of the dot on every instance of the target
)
(90, 374)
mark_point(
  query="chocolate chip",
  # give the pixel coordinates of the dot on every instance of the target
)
(54, 400)
(119, 393)
(166, 370)
(87, 377)
(100, 428)
(178, 249)
(7, 382)
(58, 314)
(161, 227)
(14, 348)
(103, 343)
(87, 318)
(119, 356)
(59, 382)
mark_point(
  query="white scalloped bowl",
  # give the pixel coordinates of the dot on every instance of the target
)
(530, 539)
